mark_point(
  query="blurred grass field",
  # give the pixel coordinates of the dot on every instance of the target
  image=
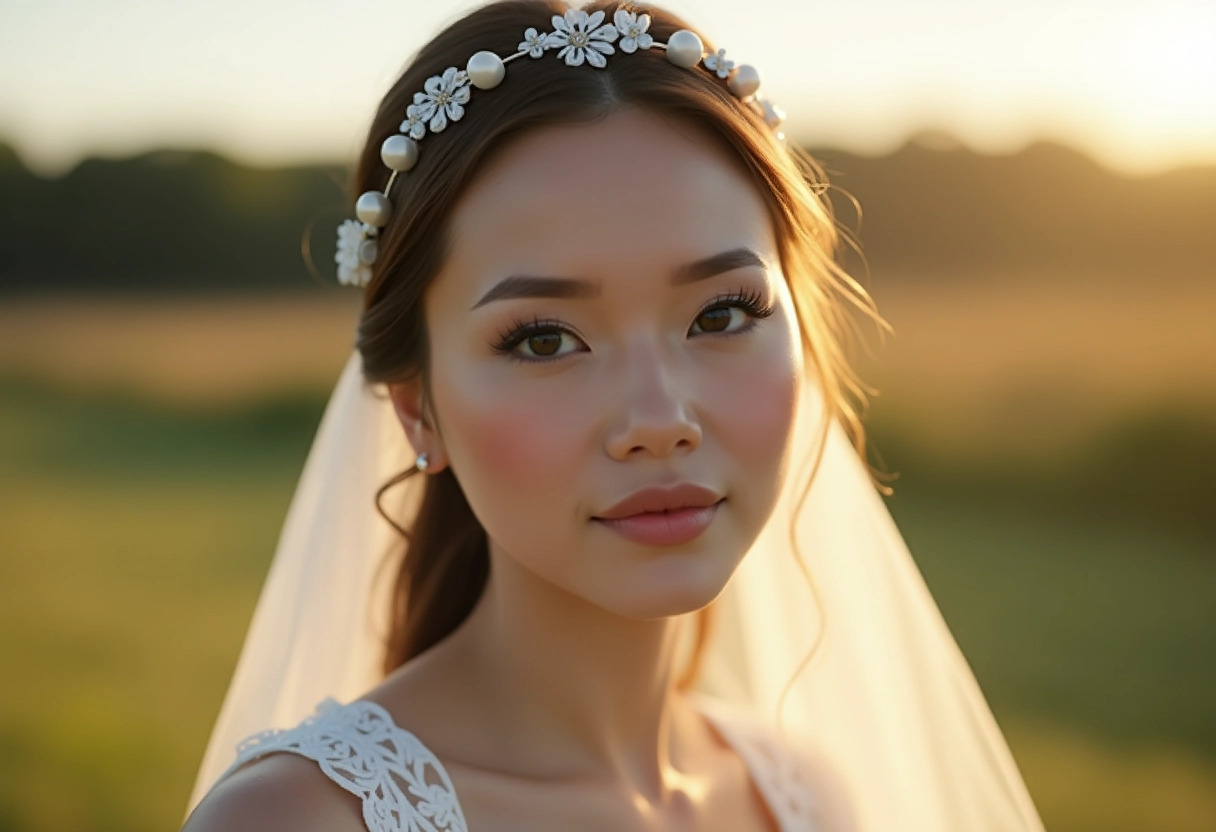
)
(148, 449)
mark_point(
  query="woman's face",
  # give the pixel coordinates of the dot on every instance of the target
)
(641, 364)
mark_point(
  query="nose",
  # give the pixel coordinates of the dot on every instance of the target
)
(655, 414)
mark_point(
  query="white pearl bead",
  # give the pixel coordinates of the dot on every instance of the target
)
(368, 251)
(745, 81)
(399, 152)
(486, 70)
(684, 48)
(374, 208)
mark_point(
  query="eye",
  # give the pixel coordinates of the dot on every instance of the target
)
(716, 320)
(717, 316)
(540, 341)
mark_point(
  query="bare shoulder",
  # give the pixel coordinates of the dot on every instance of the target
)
(276, 793)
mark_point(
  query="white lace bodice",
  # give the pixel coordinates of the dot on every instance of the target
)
(404, 787)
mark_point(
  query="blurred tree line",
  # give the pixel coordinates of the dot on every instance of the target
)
(190, 222)
(194, 221)
(163, 221)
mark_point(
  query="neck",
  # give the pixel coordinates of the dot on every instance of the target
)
(588, 692)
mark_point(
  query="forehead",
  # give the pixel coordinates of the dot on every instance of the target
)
(632, 194)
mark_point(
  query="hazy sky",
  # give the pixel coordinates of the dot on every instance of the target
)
(268, 81)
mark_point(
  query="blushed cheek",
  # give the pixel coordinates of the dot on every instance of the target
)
(515, 442)
(511, 450)
(757, 417)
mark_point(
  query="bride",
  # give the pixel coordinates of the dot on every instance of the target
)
(629, 569)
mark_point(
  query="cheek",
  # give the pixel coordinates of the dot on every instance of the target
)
(755, 409)
(510, 446)
(515, 441)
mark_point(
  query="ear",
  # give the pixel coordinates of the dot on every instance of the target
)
(413, 411)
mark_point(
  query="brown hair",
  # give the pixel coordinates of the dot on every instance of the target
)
(446, 561)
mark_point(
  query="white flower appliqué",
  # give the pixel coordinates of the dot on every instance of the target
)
(444, 99)
(632, 28)
(351, 270)
(581, 37)
(414, 125)
(534, 43)
(718, 63)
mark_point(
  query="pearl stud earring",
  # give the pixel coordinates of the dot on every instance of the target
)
(421, 463)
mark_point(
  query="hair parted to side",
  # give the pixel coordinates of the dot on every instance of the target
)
(446, 560)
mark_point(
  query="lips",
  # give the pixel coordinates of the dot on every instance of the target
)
(661, 499)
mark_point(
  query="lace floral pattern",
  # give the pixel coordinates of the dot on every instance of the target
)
(403, 786)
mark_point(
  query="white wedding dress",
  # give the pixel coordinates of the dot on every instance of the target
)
(404, 787)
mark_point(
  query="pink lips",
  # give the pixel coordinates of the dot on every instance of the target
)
(663, 516)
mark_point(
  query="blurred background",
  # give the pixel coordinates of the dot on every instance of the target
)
(1038, 190)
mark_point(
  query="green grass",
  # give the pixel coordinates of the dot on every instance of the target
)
(1108, 626)
(134, 538)
(1086, 783)
(121, 609)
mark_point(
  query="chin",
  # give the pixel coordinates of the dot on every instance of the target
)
(675, 585)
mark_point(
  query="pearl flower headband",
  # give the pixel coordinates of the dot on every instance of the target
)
(580, 38)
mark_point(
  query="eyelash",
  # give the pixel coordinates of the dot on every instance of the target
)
(750, 301)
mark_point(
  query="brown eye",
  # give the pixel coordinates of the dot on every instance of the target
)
(714, 320)
(534, 342)
(545, 344)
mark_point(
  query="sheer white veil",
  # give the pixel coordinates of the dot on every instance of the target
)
(886, 700)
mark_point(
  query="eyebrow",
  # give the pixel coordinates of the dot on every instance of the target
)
(529, 286)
